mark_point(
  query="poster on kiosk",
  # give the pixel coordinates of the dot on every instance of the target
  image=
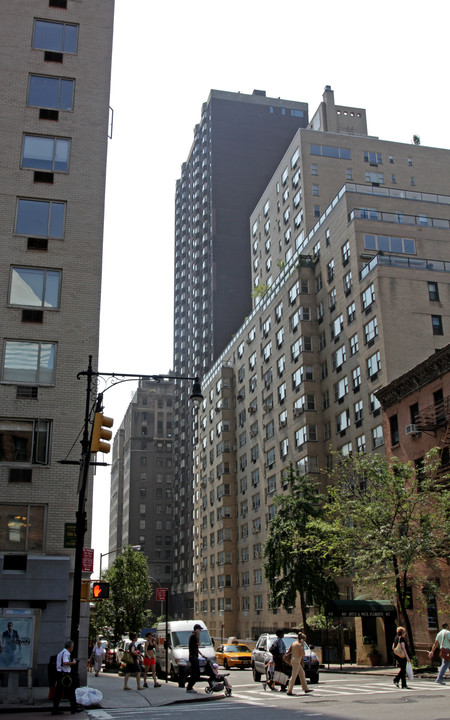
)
(16, 640)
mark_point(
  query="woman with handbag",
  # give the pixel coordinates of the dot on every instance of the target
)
(442, 641)
(133, 664)
(401, 652)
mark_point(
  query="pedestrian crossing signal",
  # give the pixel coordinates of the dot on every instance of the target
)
(100, 590)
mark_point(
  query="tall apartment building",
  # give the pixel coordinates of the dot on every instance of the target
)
(349, 244)
(236, 147)
(54, 124)
(141, 508)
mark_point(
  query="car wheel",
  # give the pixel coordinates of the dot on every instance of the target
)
(314, 679)
(225, 664)
(256, 674)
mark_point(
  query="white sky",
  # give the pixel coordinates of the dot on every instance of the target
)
(390, 58)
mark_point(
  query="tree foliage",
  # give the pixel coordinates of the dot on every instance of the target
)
(294, 561)
(389, 525)
(130, 591)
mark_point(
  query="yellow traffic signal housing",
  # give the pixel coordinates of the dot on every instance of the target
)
(85, 586)
(100, 590)
(100, 433)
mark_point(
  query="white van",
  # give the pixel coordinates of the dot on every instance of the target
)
(178, 634)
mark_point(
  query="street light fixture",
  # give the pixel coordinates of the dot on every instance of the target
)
(102, 555)
(196, 397)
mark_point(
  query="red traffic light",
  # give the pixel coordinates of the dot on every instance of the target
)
(100, 590)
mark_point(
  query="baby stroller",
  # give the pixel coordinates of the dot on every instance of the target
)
(216, 681)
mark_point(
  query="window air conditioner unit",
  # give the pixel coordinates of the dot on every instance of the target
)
(412, 430)
(298, 411)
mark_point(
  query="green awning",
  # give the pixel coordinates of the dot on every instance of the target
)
(360, 608)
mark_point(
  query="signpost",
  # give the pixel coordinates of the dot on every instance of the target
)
(162, 595)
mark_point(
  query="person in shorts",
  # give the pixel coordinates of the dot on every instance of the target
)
(149, 659)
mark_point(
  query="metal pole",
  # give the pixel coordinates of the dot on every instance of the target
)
(81, 514)
(167, 634)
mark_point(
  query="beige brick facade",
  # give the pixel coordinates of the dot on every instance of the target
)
(344, 306)
(54, 123)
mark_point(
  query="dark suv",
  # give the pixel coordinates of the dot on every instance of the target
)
(260, 656)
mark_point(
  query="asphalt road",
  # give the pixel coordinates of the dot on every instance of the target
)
(336, 697)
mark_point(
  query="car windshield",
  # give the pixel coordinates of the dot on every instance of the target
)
(236, 648)
(181, 638)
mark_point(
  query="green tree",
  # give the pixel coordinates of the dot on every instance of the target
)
(389, 524)
(294, 560)
(129, 593)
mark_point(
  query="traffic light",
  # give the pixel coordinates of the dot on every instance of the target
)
(100, 590)
(100, 433)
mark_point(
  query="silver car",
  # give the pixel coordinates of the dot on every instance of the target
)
(260, 657)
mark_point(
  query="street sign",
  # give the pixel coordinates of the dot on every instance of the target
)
(87, 564)
(161, 594)
(70, 535)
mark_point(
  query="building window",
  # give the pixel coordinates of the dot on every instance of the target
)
(25, 441)
(29, 362)
(32, 287)
(22, 528)
(433, 291)
(51, 92)
(59, 37)
(45, 153)
(316, 210)
(393, 428)
(40, 218)
(377, 436)
(436, 322)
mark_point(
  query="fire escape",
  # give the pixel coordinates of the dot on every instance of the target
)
(435, 419)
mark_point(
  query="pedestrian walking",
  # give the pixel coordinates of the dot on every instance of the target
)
(270, 669)
(65, 679)
(442, 642)
(149, 659)
(278, 650)
(194, 652)
(98, 653)
(134, 666)
(296, 653)
(401, 652)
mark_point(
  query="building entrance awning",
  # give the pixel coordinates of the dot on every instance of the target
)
(360, 608)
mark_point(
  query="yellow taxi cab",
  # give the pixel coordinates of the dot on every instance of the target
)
(235, 655)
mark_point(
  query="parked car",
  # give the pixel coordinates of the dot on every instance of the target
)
(123, 645)
(260, 656)
(110, 657)
(234, 655)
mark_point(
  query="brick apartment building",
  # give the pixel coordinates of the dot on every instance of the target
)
(347, 240)
(54, 124)
(416, 418)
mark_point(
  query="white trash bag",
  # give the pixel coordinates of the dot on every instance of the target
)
(88, 697)
(409, 671)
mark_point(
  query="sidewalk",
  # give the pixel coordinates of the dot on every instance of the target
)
(114, 696)
(388, 670)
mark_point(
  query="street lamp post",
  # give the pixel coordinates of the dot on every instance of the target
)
(102, 555)
(196, 397)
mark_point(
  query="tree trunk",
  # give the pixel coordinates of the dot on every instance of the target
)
(401, 593)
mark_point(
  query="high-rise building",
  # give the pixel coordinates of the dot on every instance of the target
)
(236, 147)
(141, 480)
(54, 126)
(351, 279)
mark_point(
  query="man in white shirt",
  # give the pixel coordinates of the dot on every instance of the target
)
(65, 680)
(442, 641)
(98, 653)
